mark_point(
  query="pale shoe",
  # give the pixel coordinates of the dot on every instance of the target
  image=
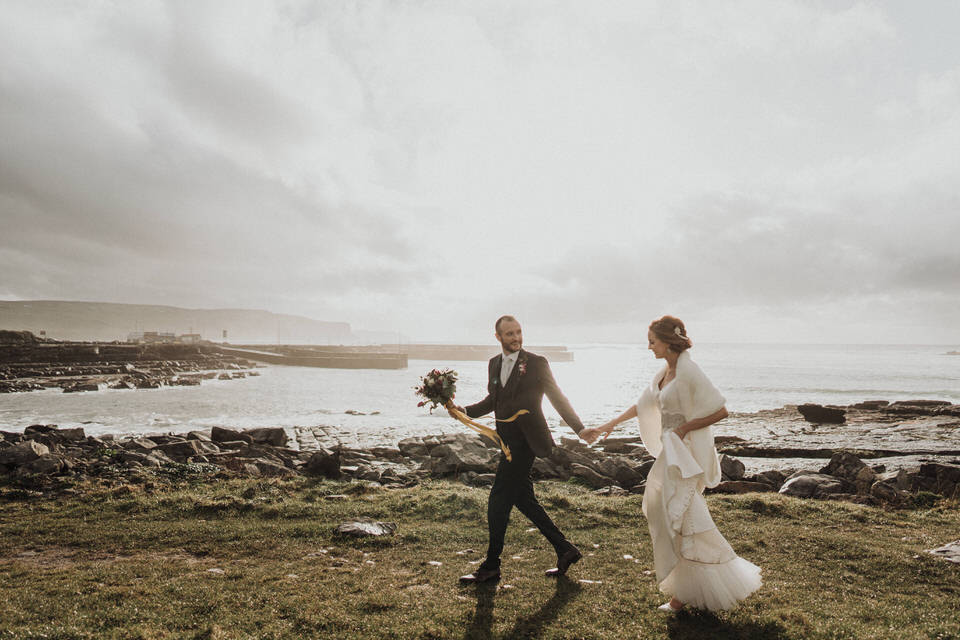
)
(666, 606)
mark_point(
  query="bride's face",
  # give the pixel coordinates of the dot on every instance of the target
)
(658, 346)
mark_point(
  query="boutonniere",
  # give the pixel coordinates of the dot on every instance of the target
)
(522, 367)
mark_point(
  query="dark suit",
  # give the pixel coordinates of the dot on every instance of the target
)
(527, 437)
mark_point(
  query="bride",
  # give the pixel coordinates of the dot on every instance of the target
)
(695, 564)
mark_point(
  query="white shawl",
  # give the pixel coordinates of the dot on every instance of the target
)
(698, 399)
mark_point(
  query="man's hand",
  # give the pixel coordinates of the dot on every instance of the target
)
(451, 407)
(590, 435)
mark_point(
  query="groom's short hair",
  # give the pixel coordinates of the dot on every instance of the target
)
(501, 320)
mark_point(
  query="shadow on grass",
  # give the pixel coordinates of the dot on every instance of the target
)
(530, 626)
(703, 624)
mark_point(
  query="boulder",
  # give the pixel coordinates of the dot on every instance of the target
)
(849, 467)
(590, 476)
(625, 473)
(571, 456)
(484, 479)
(772, 477)
(258, 451)
(275, 436)
(139, 458)
(234, 444)
(369, 473)
(644, 468)
(461, 454)
(55, 434)
(75, 434)
(898, 479)
(219, 434)
(183, 449)
(575, 444)
(731, 468)
(947, 477)
(47, 464)
(888, 492)
(386, 453)
(413, 447)
(37, 429)
(324, 463)
(543, 468)
(622, 445)
(813, 485)
(138, 444)
(242, 465)
(822, 415)
(273, 469)
(23, 452)
(365, 527)
(742, 486)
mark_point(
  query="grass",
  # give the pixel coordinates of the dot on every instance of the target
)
(135, 561)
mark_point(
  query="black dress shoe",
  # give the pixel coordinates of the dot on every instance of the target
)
(566, 559)
(480, 575)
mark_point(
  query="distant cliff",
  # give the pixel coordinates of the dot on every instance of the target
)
(63, 320)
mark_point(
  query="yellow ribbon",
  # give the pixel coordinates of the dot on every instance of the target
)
(483, 429)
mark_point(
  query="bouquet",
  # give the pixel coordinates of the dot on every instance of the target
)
(437, 388)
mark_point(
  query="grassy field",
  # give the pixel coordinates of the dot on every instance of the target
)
(232, 558)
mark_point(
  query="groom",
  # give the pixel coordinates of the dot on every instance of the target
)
(518, 379)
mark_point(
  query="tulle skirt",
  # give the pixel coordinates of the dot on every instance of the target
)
(694, 562)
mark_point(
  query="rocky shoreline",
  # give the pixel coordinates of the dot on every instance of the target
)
(28, 363)
(45, 455)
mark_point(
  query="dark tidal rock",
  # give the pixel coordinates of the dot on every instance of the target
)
(819, 414)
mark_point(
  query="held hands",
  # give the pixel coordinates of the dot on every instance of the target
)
(590, 435)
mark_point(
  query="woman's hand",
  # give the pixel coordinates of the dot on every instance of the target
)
(589, 435)
(607, 429)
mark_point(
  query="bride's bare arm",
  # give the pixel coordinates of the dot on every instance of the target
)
(626, 415)
(699, 423)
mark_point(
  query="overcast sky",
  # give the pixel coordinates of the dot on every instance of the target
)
(768, 170)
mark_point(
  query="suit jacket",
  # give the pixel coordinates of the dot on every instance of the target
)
(530, 379)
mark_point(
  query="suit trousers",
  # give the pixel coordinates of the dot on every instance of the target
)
(513, 487)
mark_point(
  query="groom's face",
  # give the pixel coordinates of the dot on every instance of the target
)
(510, 336)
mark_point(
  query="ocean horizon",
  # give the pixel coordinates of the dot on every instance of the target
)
(601, 381)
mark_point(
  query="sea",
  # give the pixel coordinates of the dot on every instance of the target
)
(378, 407)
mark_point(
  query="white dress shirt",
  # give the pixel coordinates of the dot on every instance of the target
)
(506, 366)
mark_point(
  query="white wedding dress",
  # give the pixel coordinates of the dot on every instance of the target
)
(693, 561)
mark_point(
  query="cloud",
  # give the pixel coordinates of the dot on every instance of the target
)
(382, 162)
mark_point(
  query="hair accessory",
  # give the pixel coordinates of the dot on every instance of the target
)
(677, 331)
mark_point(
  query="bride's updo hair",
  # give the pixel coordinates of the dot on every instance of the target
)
(671, 330)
